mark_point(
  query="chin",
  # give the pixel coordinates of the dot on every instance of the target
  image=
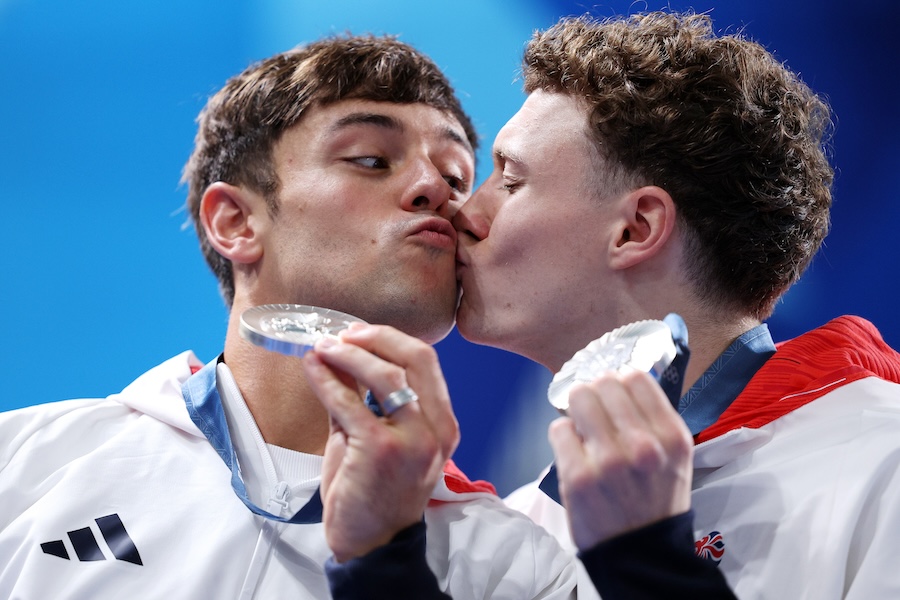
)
(470, 327)
(430, 324)
(436, 327)
(497, 331)
(434, 337)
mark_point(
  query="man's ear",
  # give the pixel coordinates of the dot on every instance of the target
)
(646, 221)
(229, 215)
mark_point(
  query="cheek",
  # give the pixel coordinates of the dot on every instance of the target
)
(513, 225)
(542, 252)
(522, 237)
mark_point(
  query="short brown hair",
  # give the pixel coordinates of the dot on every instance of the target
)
(240, 124)
(733, 135)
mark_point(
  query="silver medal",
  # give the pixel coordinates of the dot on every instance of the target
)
(642, 346)
(292, 329)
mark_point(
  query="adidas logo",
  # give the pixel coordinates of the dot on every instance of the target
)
(87, 548)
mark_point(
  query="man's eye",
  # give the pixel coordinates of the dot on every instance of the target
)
(457, 183)
(371, 162)
(510, 186)
(509, 182)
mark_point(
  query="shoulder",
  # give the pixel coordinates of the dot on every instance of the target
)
(68, 428)
(846, 353)
(54, 423)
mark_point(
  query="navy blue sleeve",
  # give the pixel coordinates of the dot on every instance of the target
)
(392, 572)
(657, 561)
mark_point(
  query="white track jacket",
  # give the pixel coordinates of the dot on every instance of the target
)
(124, 497)
(796, 487)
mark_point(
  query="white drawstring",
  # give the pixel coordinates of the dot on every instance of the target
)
(268, 534)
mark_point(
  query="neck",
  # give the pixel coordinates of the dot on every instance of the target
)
(708, 338)
(285, 409)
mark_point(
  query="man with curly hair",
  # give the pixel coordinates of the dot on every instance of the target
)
(658, 168)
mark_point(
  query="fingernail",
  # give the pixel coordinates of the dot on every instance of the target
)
(326, 342)
(352, 330)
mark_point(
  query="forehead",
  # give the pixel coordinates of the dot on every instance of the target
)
(547, 122)
(414, 120)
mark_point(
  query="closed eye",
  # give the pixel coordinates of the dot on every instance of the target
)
(510, 186)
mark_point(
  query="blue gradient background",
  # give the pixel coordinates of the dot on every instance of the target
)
(101, 280)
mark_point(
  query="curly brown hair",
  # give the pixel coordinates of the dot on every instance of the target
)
(240, 124)
(733, 135)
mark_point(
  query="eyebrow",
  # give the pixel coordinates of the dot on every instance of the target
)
(390, 123)
(452, 135)
(361, 118)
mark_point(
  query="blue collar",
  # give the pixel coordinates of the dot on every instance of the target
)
(727, 377)
(205, 408)
(710, 395)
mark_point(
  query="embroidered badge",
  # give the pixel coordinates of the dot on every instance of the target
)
(711, 547)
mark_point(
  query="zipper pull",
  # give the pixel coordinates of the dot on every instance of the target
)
(279, 499)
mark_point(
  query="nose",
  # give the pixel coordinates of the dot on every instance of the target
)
(430, 191)
(472, 219)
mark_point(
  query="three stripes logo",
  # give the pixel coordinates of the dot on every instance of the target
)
(88, 549)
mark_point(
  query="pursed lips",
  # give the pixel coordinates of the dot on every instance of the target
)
(435, 232)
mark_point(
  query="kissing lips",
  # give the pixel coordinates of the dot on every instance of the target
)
(435, 232)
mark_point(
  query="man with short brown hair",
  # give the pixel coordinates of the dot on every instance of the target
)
(325, 176)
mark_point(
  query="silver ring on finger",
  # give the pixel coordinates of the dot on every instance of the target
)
(397, 400)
